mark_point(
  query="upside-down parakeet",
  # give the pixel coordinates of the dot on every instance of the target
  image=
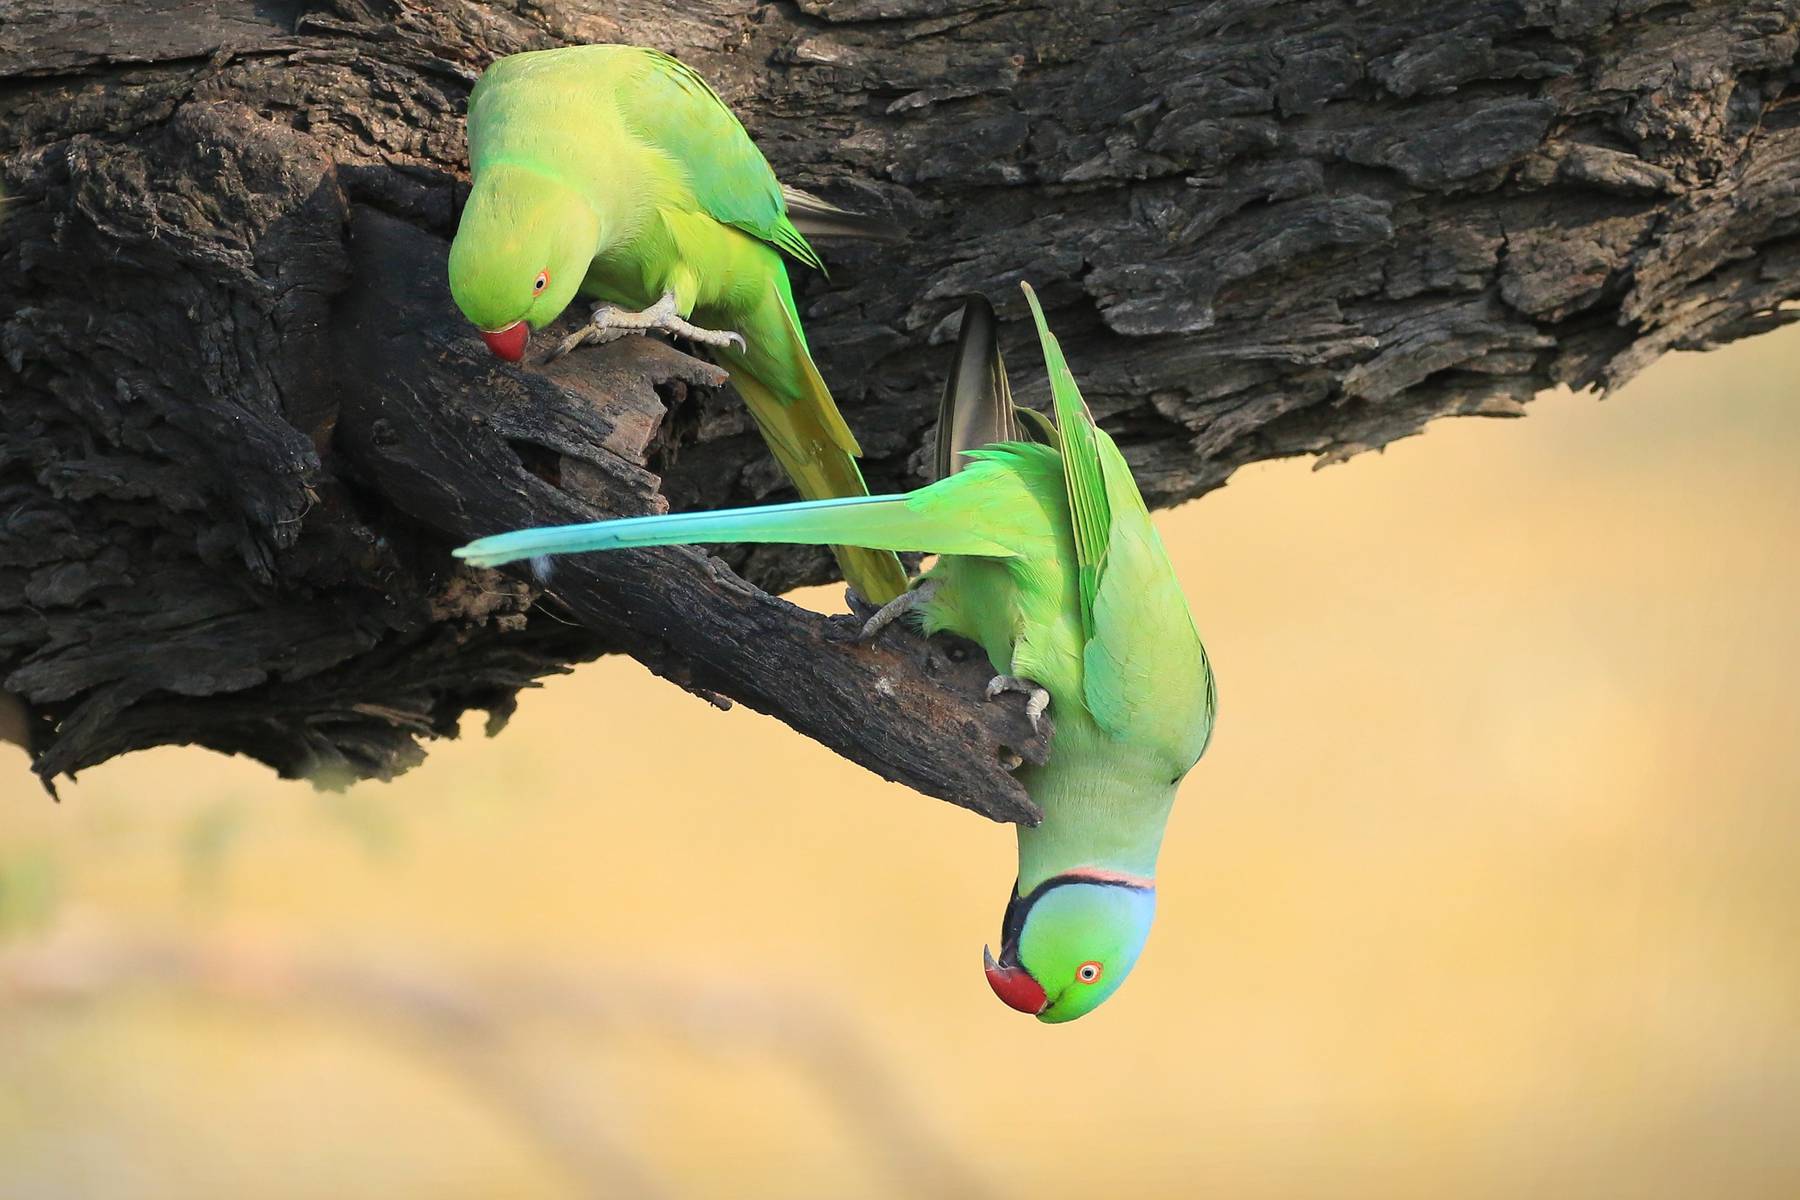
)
(616, 173)
(1050, 562)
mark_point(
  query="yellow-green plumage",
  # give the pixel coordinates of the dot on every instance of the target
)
(616, 173)
(1049, 561)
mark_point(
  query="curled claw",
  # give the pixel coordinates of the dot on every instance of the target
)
(587, 333)
(720, 338)
(1039, 697)
(898, 607)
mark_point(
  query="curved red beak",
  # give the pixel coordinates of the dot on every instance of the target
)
(508, 343)
(1014, 985)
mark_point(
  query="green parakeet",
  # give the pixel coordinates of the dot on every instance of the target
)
(1049, 561)
(616, 173)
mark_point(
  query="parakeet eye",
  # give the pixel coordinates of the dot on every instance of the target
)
(1089, 972)
(539, 284)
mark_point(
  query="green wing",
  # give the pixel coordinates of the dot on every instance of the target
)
(1145, 676)
(1089, 509)
(680, 113)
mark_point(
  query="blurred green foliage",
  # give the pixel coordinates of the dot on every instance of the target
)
(30, 889)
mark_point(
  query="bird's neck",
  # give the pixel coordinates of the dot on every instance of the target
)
(1098, 813)
(553, 193)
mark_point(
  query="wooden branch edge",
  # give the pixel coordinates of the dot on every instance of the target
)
(467, 447)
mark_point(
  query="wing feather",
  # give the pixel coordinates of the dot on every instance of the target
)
(1089, 509)
(1145, 675)
(732, 180)
(977, 408)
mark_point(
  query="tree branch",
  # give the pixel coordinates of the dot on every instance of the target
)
(242, 424)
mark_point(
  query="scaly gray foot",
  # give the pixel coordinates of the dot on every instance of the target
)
(1034, 707)
(608, 324)
(896, 608)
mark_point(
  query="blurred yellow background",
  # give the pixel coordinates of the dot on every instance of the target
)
(1487, 887)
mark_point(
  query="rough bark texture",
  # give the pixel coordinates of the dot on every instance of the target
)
(242, 423)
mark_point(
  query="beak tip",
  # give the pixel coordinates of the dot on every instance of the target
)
(1014, 985)
(509, 343)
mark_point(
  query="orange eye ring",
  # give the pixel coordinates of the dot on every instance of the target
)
(541, 282)
(1090, 971)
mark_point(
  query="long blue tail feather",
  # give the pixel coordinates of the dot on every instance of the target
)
(806, 522)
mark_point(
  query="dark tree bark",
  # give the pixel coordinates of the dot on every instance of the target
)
(242, 424)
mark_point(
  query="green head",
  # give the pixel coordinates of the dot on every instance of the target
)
(1068, 945)
(521, 251)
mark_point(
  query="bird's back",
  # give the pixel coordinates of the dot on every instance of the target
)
(628, 124)
(1141, 677)
(1088, 606)
(1145, 674)
(545, 104)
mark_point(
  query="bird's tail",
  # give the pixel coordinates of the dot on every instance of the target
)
(882, 522)
(815, 218)
(806, 432)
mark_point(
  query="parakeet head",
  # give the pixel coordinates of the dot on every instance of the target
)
(520, 254)
(1068, 945)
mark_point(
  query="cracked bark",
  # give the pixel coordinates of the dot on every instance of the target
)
(241, 423)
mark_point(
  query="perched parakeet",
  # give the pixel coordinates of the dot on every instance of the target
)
(1049, 561)
(615, 172)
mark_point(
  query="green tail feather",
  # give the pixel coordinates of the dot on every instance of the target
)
(805, 431)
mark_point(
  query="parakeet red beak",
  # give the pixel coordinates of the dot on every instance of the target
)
(1014, 985)
(508, 343)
